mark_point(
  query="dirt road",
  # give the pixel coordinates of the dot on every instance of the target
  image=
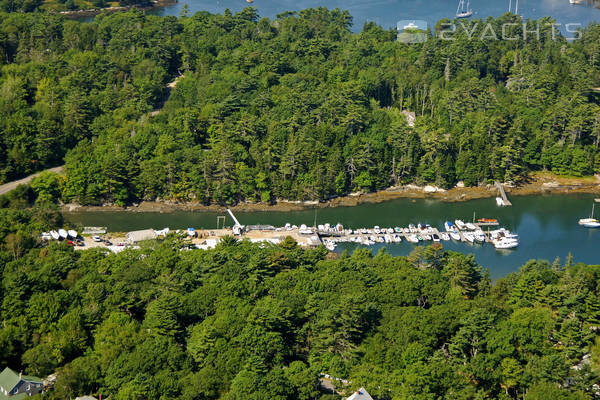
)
(7, 187)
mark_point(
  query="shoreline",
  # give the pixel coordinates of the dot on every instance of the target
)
(543, 183)
(77, 14)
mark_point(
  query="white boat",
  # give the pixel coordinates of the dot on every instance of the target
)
(500, 202)
(462, 11)
(449, 226)
(72, 233)
(397, 238)
(412, 238)
(469, 237)
(589, 221)
(445, 236)
(387, 238)
(455, 236)
(426, 237)
(54, 235)
(595, 224)
(471, 226)
(459, 224)
(479, 236)
(63, 233)
(435, 238)
(412, 228)
(96, 238)
(506, 244)
(330, 245)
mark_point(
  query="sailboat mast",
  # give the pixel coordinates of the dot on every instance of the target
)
(509, 5)
(517, 7)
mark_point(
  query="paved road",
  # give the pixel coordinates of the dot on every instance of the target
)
(7, 187)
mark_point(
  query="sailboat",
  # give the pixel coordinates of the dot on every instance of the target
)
(590, 222)
(462, 11)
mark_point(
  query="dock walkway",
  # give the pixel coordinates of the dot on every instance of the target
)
(503, 194)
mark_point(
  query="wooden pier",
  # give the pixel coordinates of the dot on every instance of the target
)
(503, 194)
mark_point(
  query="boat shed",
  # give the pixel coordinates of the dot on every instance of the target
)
(138, 236)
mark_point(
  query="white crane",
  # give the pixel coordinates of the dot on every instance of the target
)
(237, 227)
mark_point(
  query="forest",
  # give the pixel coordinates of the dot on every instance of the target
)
(252, 322)
(298, 107)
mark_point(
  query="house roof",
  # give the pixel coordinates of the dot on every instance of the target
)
(138, 236)
(360, 394)
(9, 379)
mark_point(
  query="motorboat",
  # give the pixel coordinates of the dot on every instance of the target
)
(412, 238)
(469, 237)
(460, 224)
(72, 233)
(426, 237)
(398, 229)
(96, 238)
(54, 235)
(479, 236)
(505, 244)
(471, 226)
(449, 226)
(377, 230)
(330, 245)
(455, 236)
(435, 238)
(412, 228)
(445, 236)
(500, 202)
(63, 233)
(397, 238)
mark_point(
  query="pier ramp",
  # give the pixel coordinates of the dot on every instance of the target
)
(503, 194)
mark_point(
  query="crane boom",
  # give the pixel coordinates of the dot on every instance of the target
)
(237, 223)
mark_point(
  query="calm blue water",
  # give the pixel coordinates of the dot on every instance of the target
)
(388, 12)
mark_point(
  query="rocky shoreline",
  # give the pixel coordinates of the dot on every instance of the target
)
(542, 184)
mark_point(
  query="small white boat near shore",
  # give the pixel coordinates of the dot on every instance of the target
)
(454, 236)
(72, 233)
(460, 224)
(63, 233)
(54, 235)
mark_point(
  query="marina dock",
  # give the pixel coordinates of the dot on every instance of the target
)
(505, 200)
(479, 231)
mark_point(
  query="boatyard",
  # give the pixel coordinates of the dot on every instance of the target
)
(477, 232)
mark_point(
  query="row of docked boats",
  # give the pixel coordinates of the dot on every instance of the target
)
(60, 234)
(457, 231)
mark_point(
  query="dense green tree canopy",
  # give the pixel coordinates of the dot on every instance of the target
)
(245, 321)
(298, 107)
